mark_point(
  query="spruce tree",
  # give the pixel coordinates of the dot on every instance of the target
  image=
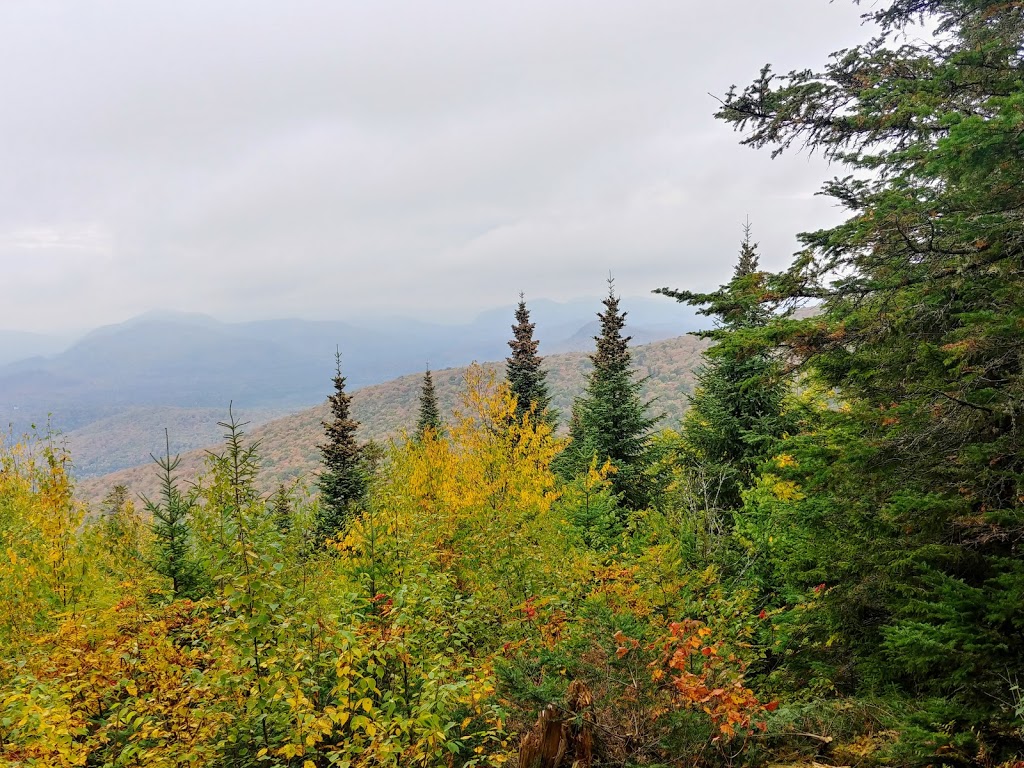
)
(610, 420)
(748, 262)
(174, 557)
(523, 370)
(911, 495)
(430, 412)
(343, 478)
(281, 510)
(736, 411)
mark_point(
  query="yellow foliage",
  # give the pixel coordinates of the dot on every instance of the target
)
(785, 490)
(784, 460)
(477, 502)
(116, 677)
(44, 573)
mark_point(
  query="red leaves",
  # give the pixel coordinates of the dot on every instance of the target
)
(529, 610)
(705, 679)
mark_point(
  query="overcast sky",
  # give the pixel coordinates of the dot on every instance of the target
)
(257, 159)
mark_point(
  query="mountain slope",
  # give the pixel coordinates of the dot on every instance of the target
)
(180, 360)
(289, 444)
(128, 437)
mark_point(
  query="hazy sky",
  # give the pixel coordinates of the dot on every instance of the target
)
(269, 159)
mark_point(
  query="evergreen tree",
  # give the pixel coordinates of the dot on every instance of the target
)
(911, 497)
(173, 556)
(115, 501)
(748, 262)
(523, 371)
(343, 478)
(610, 420)
(430, 412)
(736, 411)
(281, 510)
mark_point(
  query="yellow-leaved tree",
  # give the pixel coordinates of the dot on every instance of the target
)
(44, 566)
(477, 502)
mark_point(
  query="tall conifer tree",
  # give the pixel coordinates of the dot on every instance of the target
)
(343, 478)
(736, 411)
(526, 377)
(430, 412)
(610, 420)
(911, 496)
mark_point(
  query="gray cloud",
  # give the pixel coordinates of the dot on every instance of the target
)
(267, 159)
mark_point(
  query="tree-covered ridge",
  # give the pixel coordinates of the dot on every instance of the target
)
(288, 444)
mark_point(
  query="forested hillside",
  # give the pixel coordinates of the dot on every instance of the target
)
(289, 444)
(819, 564)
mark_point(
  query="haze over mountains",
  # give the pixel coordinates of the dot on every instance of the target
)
(113, 390)
(17, 345)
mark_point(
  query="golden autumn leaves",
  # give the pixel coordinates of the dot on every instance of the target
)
(394, 647)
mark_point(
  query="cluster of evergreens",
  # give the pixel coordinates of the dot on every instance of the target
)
(822, 563)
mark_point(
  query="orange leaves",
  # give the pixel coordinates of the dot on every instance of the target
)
(546, 617)
(704, 677)
(626, 644)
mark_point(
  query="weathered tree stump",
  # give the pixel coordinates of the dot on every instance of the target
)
(561, 737)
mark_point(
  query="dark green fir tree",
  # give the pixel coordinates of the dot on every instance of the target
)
(281, 509)
(343, 479)
(430, 412)
(910, 519)
(611, 420)
(174, 556)
(526, 377)
(737, 410)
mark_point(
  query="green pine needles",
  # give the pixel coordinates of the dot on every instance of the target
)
(524, 372)
(343, 479)
(171, 516)
(430, 411)
(736, 412)
(610, 420)
(901, 501)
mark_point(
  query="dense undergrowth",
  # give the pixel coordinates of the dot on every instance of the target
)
(461, 602)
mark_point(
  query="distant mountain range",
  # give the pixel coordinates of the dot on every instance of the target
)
(111, 391)
(17, 345)
(289, 444)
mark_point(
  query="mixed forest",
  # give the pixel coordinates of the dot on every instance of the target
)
(820, 563)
